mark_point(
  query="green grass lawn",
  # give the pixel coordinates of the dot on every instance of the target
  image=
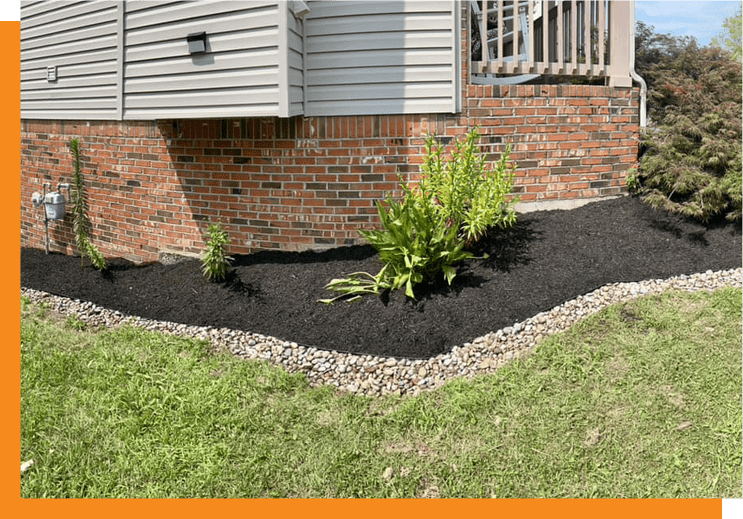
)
(640, 400)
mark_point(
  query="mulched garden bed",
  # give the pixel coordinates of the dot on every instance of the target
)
(547, 258)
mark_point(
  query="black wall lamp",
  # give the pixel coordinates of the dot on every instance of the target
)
(196, 43)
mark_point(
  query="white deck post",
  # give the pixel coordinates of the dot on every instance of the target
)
(622, 17)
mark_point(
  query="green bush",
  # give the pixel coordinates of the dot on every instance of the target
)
(214, 260)
(453, 205)
(463, 193)
(692, 163)
(80, 222)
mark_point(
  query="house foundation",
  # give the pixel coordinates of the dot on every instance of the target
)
(310, 182)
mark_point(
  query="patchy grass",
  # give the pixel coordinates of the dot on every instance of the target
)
(640, 400)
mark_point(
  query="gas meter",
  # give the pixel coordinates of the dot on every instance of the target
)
(54, 205)
(53, 202)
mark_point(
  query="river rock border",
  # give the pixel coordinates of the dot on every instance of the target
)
(369, 375)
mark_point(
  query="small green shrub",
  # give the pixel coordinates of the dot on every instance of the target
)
(461, 192)
(214, 261)
(80, 222)
(633, 183)
(411, 247)
(453, 205)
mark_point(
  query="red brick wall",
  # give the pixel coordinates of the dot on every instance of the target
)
(304, 183)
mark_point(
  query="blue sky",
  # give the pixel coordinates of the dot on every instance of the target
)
(703, 20)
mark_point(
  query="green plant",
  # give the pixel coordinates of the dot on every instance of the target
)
(453, 205)
(461, 192)
(411, 248)
(214, 261)
(692, 165)
(80, 222)
(633, 182)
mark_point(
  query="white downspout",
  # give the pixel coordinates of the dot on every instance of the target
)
(635, 76)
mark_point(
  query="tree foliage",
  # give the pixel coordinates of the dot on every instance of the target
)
(730, 38)
(692, 159)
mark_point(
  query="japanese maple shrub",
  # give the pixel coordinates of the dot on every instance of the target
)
(692, 163)
(453, 205)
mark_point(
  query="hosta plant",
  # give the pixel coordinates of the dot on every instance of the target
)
(456, 201)
(214, 260)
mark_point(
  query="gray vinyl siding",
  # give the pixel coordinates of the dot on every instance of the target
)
(367, 58)
(295, 62)
(129, 60)
(238, 76)
(80, 39)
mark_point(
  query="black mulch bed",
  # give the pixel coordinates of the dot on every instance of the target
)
(547, 258)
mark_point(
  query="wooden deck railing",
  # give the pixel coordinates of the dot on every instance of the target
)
(512, 41)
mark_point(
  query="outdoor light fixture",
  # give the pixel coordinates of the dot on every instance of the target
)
(300, 8)
(196, 43)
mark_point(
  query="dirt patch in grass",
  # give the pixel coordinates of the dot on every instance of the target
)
(547, 258)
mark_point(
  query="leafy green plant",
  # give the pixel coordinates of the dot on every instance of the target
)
(633, 183)
(214, 261)
(427, 233)
(463, 193)
(411, 248)
(80, 222)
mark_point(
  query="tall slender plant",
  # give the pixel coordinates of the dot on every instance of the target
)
(80, 222)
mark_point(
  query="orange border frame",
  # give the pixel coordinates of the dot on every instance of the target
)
(10, 212)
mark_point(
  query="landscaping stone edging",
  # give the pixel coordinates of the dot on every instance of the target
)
(369, 375)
